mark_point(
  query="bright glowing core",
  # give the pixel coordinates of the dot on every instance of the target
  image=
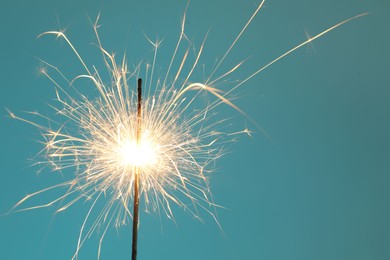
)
(141, 154)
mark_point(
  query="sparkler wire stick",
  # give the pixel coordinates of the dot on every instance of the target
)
(136, 178)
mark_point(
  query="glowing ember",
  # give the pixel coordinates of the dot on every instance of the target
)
(133, 154)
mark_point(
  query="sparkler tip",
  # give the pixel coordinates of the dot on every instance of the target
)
(10, 113)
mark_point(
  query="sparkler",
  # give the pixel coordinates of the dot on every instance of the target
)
(123, 147)
(136, 181)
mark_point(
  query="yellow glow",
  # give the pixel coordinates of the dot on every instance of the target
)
(141, 154)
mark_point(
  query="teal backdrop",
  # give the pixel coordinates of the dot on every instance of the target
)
(316, 186)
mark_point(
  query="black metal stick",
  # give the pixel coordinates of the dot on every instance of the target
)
(136, 178)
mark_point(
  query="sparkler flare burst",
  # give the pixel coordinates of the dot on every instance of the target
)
(166, 151)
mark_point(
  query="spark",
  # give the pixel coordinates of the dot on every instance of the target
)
(179, 141)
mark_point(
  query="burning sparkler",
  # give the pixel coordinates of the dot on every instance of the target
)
(121, 154)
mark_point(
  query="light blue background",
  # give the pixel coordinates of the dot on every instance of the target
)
(317, 190)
